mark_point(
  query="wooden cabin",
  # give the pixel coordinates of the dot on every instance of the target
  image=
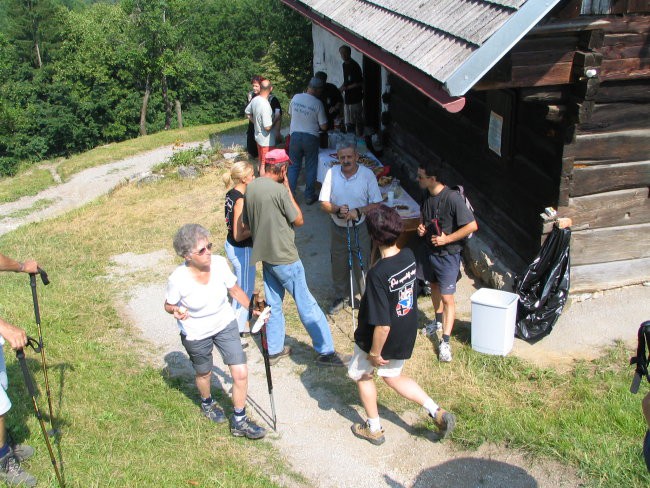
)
(529, 103)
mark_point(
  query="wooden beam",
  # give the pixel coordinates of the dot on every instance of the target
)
(624, 69)
(611, 209)
(591, 277)
(610, 117)
(589, 180)
(629, 145)
(525, 76)
(635, 91)
(543, 95)
(610, 244)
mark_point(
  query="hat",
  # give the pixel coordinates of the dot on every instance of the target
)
(316, 83)
(277, 156)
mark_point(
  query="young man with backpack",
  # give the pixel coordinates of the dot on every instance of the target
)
(447, 220)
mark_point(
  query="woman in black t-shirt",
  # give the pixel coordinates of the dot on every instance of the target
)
(387, 328)
(239, 245)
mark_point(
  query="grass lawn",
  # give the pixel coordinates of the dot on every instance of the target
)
(27, 183)
(126, 424)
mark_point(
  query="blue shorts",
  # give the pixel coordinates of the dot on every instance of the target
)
(443, 270)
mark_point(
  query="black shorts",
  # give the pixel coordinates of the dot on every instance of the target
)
(228, 343)
(442, 270)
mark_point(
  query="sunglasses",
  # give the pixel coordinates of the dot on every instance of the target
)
(203, 250)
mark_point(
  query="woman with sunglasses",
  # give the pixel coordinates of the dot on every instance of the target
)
(197, 297)
(239, 244)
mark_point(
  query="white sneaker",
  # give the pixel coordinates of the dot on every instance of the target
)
(444, 352)
(431, 328)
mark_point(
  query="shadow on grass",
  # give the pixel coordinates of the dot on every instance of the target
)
(485, 473)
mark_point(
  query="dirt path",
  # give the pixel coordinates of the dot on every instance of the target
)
(82, 188)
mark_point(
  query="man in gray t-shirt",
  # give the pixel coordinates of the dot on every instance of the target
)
(271, 213)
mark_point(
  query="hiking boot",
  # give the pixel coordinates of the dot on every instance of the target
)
(431, 328)
(362, 431)
(337, 306)
(246, 428)
(444, 421)
(331, 359)
(12, 474)
(444, 352)
(22, 452)
(274, 358)
(213, 412)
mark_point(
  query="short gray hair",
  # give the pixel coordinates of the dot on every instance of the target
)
(347, 143)
(187, 236)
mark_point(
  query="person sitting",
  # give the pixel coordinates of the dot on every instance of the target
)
(197, 297)
(388, 327)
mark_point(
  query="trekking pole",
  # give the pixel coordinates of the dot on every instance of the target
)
(360, 256)
(350, 265)
(41, 346)
(269, 380)
(20, 354)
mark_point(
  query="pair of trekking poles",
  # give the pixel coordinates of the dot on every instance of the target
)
(351, 264)
(38, 347)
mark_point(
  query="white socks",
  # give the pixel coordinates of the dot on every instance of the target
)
(374, 425)
(431, 406)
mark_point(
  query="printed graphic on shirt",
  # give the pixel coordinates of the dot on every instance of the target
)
(403, 282)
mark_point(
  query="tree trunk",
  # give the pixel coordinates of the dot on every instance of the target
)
(179, 113)
(37, 51)
(168, 106)
(143, 109)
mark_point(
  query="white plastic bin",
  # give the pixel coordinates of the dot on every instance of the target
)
(494, 313)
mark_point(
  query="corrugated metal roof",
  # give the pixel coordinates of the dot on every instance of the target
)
(445, 39)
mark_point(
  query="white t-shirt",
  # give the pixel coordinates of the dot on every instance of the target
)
(307, 114)
(260, 109)
(207, 305)
(357, 191)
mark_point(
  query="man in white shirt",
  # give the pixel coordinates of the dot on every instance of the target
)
(349, 191)
(307, 118)
(260, 113)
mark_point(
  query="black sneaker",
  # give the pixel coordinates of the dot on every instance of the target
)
(332, 359)
(337, 306)
(213, 412)
(274, 358)
(12, 474)
(246, 428)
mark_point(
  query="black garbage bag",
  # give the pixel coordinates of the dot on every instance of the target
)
(544, 287)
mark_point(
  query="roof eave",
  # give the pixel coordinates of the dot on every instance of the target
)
(486, 56)
(415, 77)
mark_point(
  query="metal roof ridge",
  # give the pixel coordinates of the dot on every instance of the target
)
(487, 55)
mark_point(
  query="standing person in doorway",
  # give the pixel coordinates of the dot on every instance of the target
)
(332, 100)
(307, 119)
(11, 455)
(271, 213)
(446, 221)
(251, 145)
(197, 297)
(260, 113)
(239, 245)
(388, 325)
(352, 89)
(349, 192)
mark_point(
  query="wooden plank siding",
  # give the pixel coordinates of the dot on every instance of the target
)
(592, 277)
(610, 244)
(608, 209)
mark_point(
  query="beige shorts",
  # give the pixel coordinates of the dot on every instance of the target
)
(359, 365)
(353, 113)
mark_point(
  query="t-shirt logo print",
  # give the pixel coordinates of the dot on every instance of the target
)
(403, 283)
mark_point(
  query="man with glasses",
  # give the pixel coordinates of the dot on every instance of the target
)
(446, 221)
(271, 213)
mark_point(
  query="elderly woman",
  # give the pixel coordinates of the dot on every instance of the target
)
(239, 244)
(197, 297)
(388, 325)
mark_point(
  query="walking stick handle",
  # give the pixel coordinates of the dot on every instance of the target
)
(20, 354)
(42, 273)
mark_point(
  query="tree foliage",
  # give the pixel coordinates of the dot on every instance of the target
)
(73, 73)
